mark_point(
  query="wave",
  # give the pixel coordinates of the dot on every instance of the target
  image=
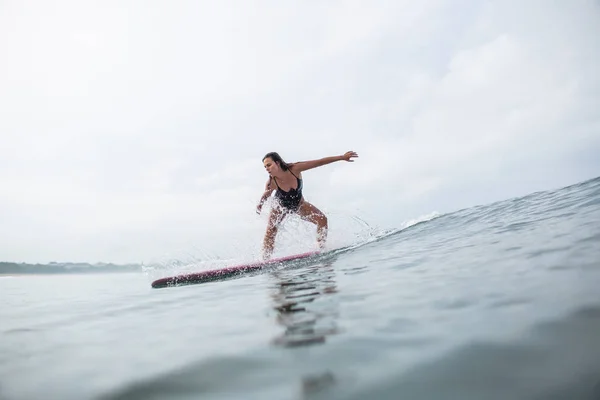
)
(366, 236)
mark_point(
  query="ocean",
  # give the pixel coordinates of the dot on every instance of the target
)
(498, 301)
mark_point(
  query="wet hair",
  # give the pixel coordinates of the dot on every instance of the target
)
(277, 158)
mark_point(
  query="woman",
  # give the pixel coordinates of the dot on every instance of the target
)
(286, 180)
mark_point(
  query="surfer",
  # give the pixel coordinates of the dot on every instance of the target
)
(286, 180)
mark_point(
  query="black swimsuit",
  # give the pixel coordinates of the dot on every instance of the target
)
(290, 200)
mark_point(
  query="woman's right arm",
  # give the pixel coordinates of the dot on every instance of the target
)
(267, 193)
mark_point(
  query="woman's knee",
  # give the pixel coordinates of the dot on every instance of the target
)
(272, 229)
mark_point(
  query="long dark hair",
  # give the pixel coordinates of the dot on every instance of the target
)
(277, 158)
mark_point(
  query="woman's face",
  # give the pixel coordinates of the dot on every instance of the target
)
(271, 166)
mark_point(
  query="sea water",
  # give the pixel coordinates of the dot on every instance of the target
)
(499, 301)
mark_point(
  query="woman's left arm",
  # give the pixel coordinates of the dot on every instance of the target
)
(306, 165)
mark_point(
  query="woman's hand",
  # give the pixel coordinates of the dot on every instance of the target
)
(348, 155)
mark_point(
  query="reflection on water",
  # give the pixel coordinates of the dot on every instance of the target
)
(305, 305)
(312, 385)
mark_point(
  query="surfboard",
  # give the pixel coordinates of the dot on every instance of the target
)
(228, 272)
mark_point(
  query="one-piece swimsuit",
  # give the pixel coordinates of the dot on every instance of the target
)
(292, 198)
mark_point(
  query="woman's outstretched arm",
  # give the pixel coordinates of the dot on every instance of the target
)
(306, 165)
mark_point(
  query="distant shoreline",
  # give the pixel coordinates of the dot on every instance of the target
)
(20, 269)
(34, 274)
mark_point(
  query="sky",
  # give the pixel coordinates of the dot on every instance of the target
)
(134, 130)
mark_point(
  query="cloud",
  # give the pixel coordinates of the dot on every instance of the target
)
(502, 112)
(129, 130)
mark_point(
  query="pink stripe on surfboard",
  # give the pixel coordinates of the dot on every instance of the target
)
(173, 280)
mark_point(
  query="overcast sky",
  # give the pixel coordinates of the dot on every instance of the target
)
(131, 130)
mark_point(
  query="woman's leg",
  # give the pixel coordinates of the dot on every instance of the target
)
(312, 214)
(275, 218)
